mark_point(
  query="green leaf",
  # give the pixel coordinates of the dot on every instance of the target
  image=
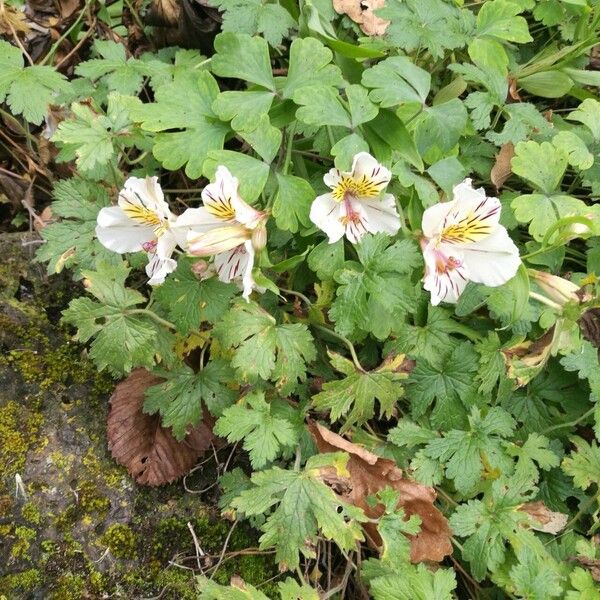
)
(417, 583)
(535, 577)
(371, 297)
(321, 105)
(346, 149)
(244, 109)
(210, 590)
(532, 454)
(585, 362)
(264, 139)
(72, 242)
(325, 259)
(431, 25)
(181, 398)
(292, 202)
(584, 465)
(498, 19)
(27, 90)
(463, 453)
(542, 165)
(397, 80)
(264, 433)
(524, 119)
(354, 396)
(303, 506)
(290, 589)
(440, 126)
(266, 350)
(447, 384)
(240, 56)
(256, 17)
(310, 65)
(587, 113)
(185, 106)
(118, 73)
(251, 172)
(547, 84)
(574, 147)
(362, 110)
(189, 302)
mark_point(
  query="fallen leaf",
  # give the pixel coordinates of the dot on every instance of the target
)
(369, 473)
(501, 170)
(544, 519)
(361, 12)
(589, 323)
(138, 441)
(591, 564)
(12, 20)
(513, 90)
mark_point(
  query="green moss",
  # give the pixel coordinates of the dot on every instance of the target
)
(91, 501)
(25, 581)
(69, 587)
(21, 547)
(31, 513)
(121, 541)
(19, 429)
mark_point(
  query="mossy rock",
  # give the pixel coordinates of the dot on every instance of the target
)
(72, 522)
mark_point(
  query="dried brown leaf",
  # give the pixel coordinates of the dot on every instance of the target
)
(12, 20)
(136, 440)
(589, 324)
(501, 170)
(591, 564)
(368, 474)
(361, 12)
(544, 519)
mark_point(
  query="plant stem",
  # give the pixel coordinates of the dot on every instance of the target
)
(288, 148)
(152, 315)
(570, 423)
(343, 339)
(582, 510)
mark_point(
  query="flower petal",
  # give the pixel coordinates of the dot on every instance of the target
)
(248, 282)
(493, 260)
(332, 177)
(325, 214)
(433, 218)
(217, 240)
(231, 265)
(381, 216)
(472, 217)
(117, 232)
(445, 276)
(197, 220)
(365, 166)
(158, 268)
(143, 202)
(217, 196)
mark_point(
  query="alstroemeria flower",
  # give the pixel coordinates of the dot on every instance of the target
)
(356, 204)
(465, 242)
(227, 228)
(142, 221)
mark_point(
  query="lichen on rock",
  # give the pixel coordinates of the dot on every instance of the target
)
(72, 523)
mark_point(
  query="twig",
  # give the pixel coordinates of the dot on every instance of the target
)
(222, 555)
(199, 551)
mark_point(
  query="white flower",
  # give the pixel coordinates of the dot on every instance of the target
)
(355, 204)
(464, 242)
(141, 221)
(228, 228)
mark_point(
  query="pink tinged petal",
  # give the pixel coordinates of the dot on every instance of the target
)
(446, 276)
(217, 240)
(381, 216)
(231, 265)
(325, 213)
(119, 233)
(353, 217)
(494, 260)
(472, 217)
(245, 214)
(158, 268)
(433, 218)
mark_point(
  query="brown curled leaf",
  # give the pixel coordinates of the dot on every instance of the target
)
(361, 12)
(591, 564)
(501, 170)
(137, 441)
(368, 474)
(543, 519)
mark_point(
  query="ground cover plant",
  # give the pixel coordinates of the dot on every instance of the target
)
(353, 244)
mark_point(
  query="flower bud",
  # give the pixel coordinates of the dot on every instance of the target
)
(558, 289)
(199, 268)
(259, 237)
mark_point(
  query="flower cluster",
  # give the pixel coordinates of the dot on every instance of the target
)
(462, 239)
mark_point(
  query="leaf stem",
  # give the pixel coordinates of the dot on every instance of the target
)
(582, 510)
(345, 340)
(152, 315)
(570, 423)
(288, 148)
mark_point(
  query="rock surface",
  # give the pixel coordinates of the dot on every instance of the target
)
(72, 523)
